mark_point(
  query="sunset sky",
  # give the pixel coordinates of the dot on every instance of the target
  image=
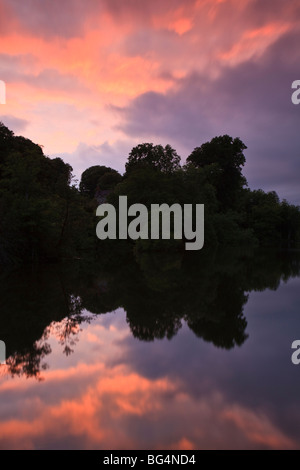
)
(89, 79)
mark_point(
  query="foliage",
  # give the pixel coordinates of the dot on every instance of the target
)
(223, 157)
(157, 157)
(98, 177)
(43, 216)
(158, 294)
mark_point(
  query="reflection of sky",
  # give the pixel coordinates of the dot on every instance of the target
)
(117, 392)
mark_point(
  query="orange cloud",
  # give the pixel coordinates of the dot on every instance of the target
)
(109, 400)
(117, 392)
(253, 43)
(65, 75)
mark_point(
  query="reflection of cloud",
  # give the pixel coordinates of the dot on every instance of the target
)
(118, 393)
(258, 428)
(182, 444)
(124, 410)
(103, 406)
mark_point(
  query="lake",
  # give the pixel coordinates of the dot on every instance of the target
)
(152, 351)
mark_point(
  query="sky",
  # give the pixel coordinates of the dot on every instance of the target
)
(90, 79)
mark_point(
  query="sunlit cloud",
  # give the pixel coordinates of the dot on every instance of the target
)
(253, 43)
(107, 404)
(67, 74)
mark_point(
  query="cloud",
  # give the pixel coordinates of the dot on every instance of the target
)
(171, 72)
(20, 69)
(112, 155)
(51, 79)
(100, 405)
(13, 123)
(13, 65)
(145, 12)
(51, 17)
(251, 100)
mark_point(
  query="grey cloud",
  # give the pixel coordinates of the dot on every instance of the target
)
(85, 155)
(18, 68)
(143, 42)
(179, 115)
(52, 17)
(68, 18)
(13, 123)
(271, 10)
(12, 65)
(251, 101)
(52, 79)
(143, 10)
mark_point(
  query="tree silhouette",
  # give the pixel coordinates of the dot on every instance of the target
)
(160, 158)
(224, 158)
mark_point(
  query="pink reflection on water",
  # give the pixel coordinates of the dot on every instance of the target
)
(94, 399)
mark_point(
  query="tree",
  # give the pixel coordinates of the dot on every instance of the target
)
(223, 157)
(290, 223)
(164, 159)
(6, 140)
(109, 180)
(42, 216)
(98, 176)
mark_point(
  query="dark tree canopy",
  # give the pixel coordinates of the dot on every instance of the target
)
(98, 176)
(161, 158)
(44, 217)
(224, 155)
(109, 180)
(6, 140)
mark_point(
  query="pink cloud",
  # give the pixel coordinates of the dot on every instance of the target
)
(66, 71)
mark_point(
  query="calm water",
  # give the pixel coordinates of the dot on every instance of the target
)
(157, 352)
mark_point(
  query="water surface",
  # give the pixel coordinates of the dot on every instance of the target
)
(156, 352)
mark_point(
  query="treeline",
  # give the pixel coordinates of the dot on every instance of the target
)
(44, 216)
(212, 176)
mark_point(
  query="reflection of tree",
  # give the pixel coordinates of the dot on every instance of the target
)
(199, 291)
(224, 323)
(148, 328)
(34, 304)
(207, 290)
(66, 331)
(28, 362)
